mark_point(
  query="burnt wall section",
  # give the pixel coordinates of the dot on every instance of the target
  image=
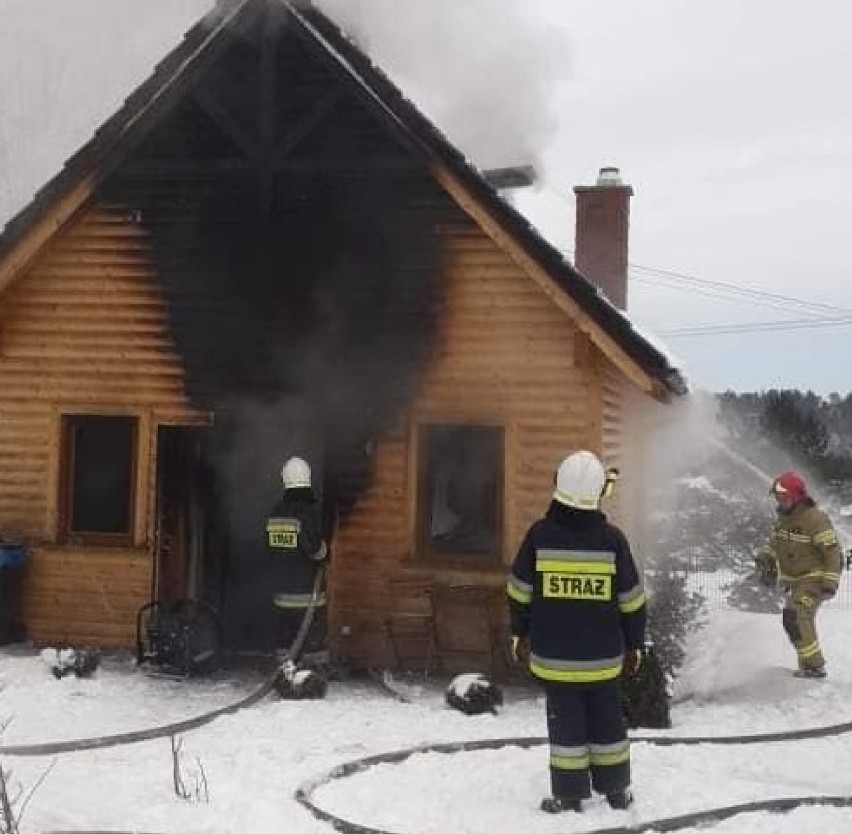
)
(304, 329)
(295, 236)
(321, 312)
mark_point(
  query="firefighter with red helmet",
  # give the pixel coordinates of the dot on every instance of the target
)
(802, 556)
(577, 612)
(295, 543)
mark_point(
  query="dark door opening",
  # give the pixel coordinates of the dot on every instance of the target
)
(215, 487)
(190, 544)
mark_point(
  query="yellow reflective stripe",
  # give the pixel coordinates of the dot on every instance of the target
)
(832, 577)
(826, 538)
(569, 762)
(585, 555)
(609, 759)
(808, 651)
(787, 536)
(813, 574)
(575, 675)
(575, 500)
(552, 566)
(521, 595)
(569, 751)
(631, 605)
(298, 600)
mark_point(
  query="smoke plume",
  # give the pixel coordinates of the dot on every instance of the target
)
(483, 70)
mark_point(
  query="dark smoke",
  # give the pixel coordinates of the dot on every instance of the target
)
(315, 315)
(304, 327)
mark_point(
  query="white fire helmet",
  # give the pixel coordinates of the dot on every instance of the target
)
(580, 481)
(296, 473)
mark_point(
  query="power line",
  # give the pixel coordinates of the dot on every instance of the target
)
(729, 292)
(723, 291)
(754, 327)
(734, 292)
(711, 293)
(761, 296)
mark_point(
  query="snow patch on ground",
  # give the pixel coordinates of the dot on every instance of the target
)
(736, 680)
(118, 698)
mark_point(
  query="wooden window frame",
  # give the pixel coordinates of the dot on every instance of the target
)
(69, 421)
(425, 552)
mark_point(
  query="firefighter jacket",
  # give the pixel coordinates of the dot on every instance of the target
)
(575, 593)
(295, 544)
(804, 547)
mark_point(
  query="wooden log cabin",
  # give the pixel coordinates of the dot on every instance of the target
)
(268, 250)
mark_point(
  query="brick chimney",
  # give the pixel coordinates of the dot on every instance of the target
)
(600, 247)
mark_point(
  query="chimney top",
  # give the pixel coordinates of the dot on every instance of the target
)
(600, 250)
(609, 176)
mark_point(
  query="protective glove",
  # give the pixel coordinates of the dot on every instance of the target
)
(827, 591)
(519, 648)
(632, 662)
(767, 570)
(287, 670)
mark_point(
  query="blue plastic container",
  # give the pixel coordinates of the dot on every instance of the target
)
(13, 554)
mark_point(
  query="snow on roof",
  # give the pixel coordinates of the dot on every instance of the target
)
(390, 102)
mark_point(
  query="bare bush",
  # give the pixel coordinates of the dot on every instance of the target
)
(13, 800)
(198, 790)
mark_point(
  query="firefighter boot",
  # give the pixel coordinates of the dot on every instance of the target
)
(810, 672)
(558, 804)
(620, 800)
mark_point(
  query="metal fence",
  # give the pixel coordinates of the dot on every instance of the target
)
(720, 588)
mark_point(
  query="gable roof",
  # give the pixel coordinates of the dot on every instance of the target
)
(55, 204)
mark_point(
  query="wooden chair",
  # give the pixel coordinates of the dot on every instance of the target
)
(468, 628)
(410, 625)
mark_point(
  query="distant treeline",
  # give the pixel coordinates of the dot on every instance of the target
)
(814, 432)
(718, 509)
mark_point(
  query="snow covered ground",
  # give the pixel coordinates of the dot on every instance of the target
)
(737, 680)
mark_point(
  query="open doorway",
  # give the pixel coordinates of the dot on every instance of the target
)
(189, 540)
(180, 628)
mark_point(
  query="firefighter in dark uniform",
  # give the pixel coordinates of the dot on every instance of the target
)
(804, 557)
(295, 544)
(577, 612)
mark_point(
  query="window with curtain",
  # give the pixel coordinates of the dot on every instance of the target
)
(461, 492)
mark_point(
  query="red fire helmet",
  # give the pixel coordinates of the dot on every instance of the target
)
(790, 483)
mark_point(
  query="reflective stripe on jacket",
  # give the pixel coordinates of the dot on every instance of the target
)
(296, 601)
(575, 592)
(296, 549)
(805, 547)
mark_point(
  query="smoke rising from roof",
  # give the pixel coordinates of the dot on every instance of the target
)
(64, 69)
(482, 70)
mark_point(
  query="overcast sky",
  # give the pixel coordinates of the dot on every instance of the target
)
(730, 118)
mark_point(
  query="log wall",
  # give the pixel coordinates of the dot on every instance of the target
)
(83, 331)
(614, 443)
(506, 356)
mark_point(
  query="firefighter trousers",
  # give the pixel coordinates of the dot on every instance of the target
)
(799, 619)
(588, 739)
(288, 623)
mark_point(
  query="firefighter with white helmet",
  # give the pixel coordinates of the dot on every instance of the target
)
(802, 556)
(296, 474)
(295, 543)
(577, 613)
